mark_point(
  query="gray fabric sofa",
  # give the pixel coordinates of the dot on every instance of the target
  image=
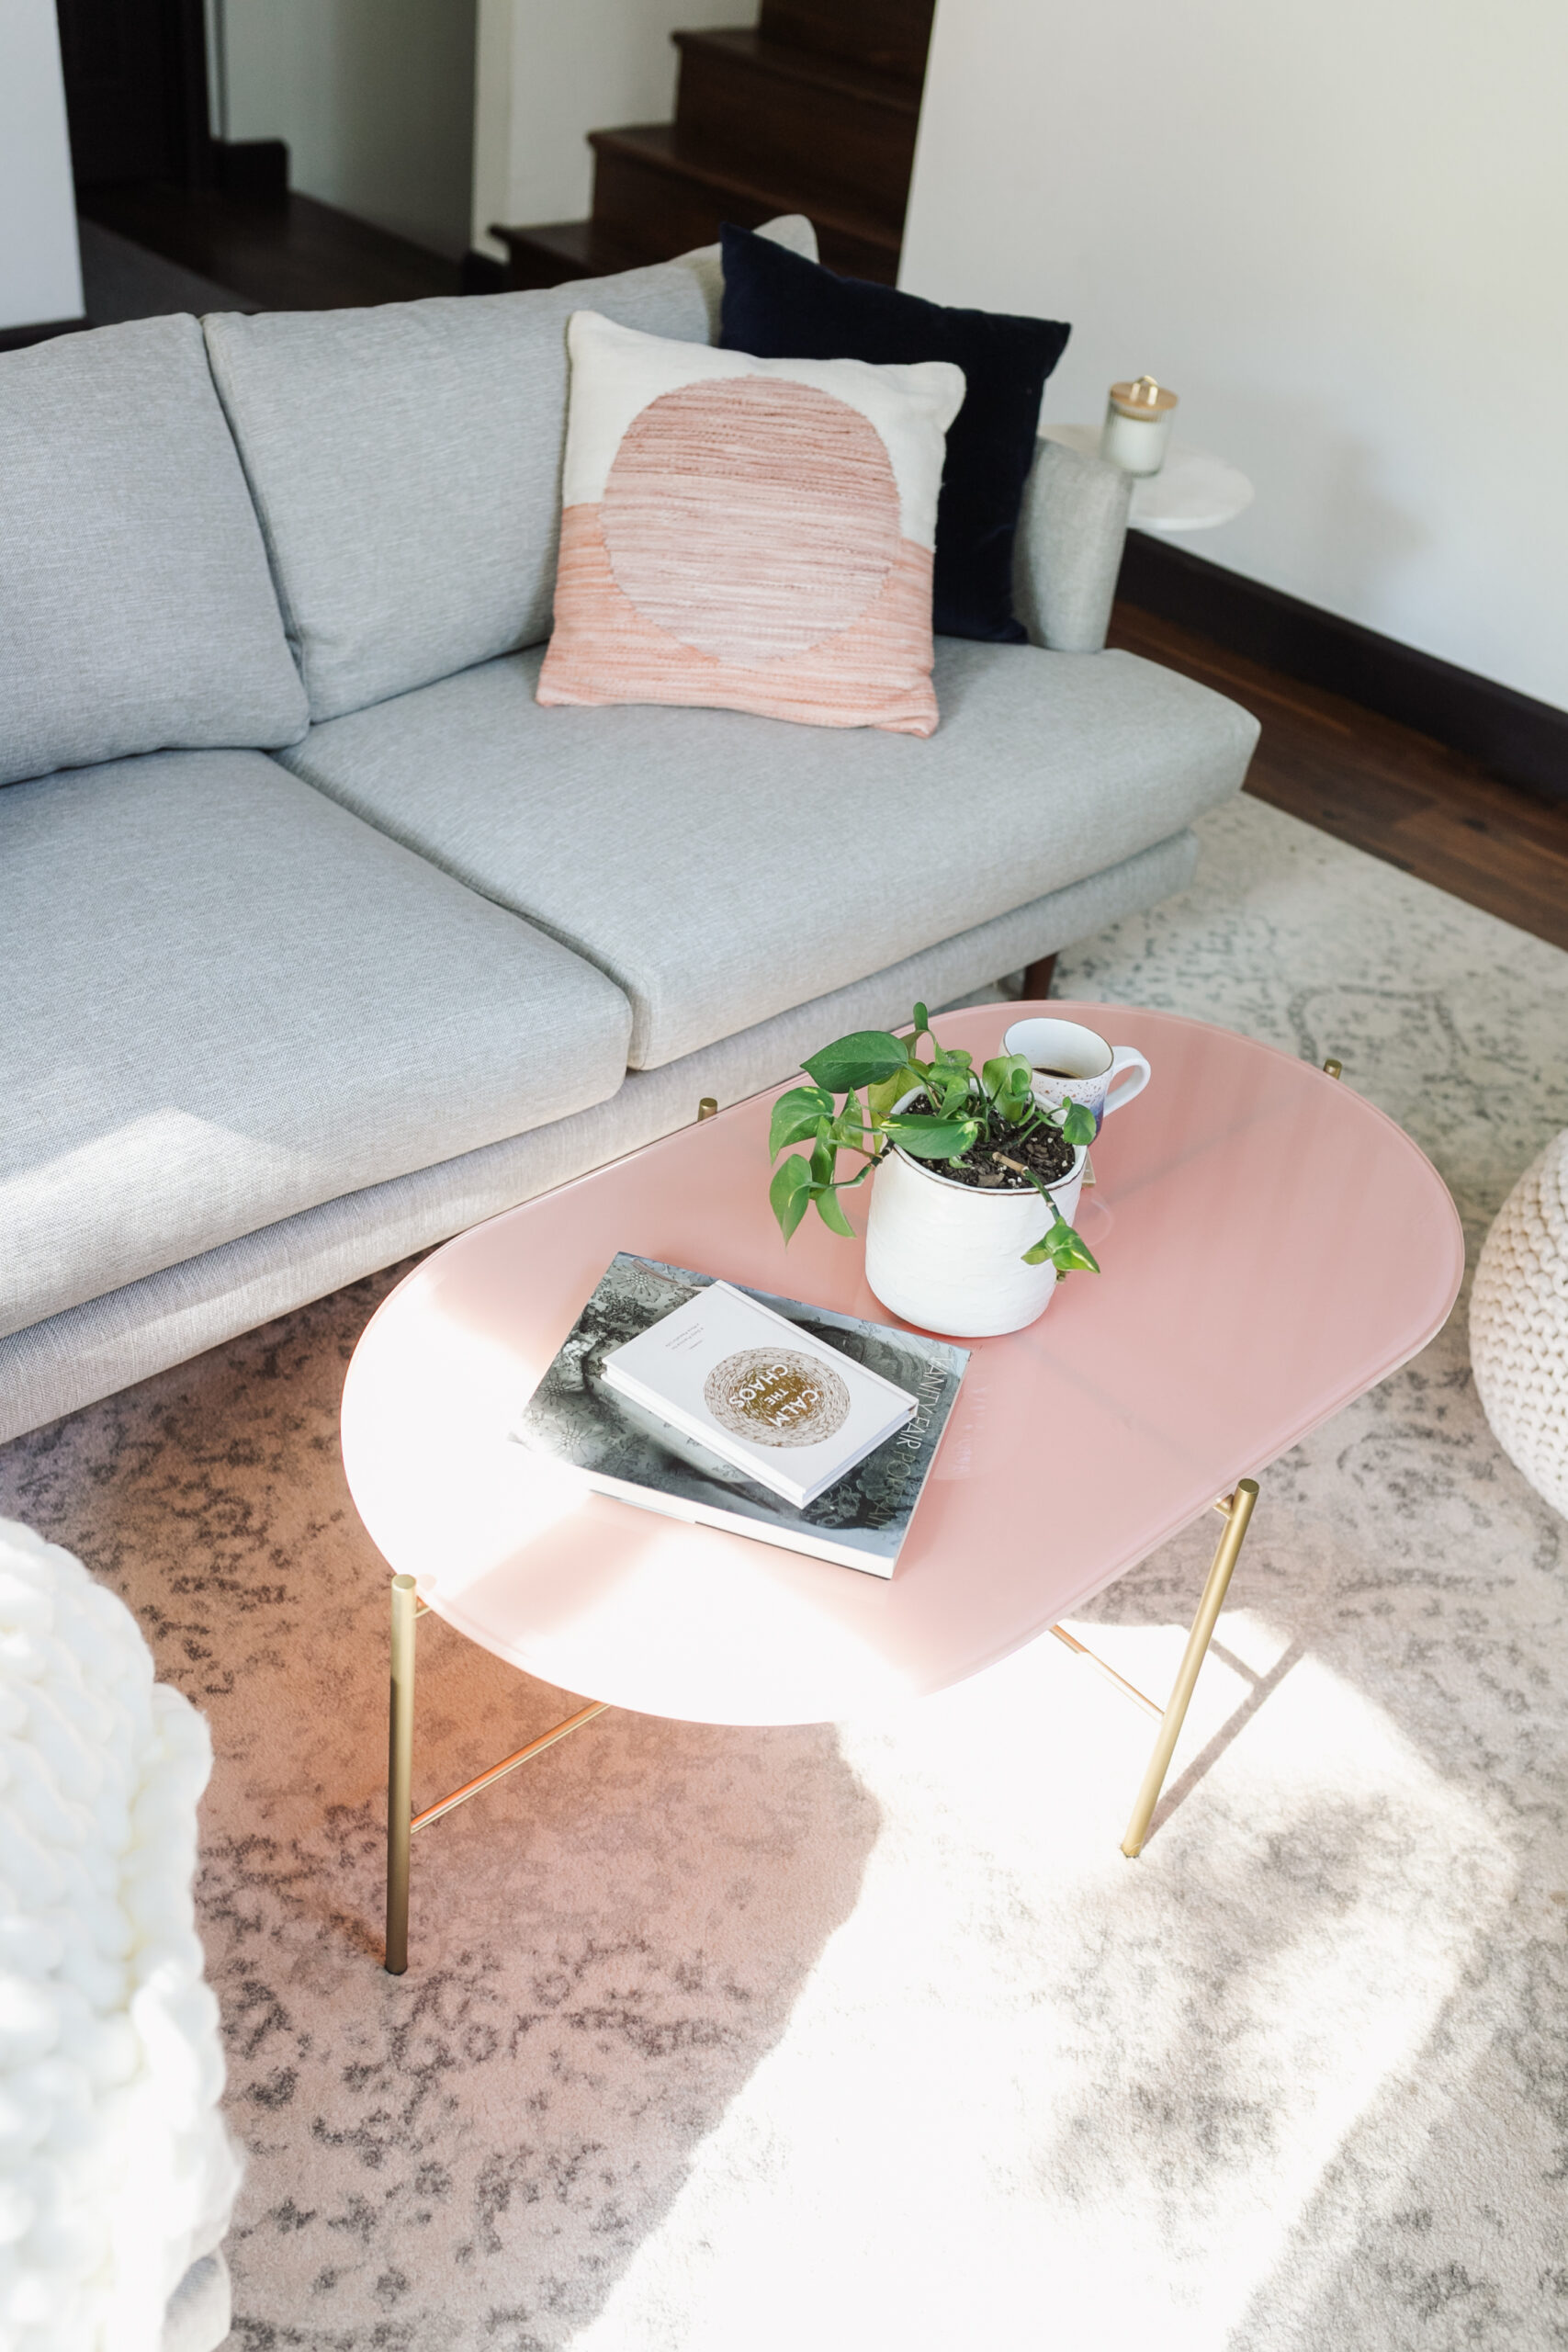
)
(321, 940)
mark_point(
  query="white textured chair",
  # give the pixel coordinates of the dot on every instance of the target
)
(1519, 1325)
(116, 2175)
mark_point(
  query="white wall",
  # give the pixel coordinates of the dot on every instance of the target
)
(1338, 231)
(40, 274)
(551, 72)
(375, 98)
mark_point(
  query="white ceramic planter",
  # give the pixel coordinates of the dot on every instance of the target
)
(950, 1258)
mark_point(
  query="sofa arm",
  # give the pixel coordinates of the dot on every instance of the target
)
(1067, 552)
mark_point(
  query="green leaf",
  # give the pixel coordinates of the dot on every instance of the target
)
(922, 1022)
(1067, 1251)
(797, 1116)
(883, 1096)
(1078, 1125)
(1073, 1254)
(832, 1216)
(789, 1192)
(849, 1126)
(933, 1138)
(1009, 1081)
(865, 1058)
(824, 1156)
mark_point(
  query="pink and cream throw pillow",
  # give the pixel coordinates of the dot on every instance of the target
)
(747, 534)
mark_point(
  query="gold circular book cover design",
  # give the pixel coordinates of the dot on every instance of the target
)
(776, 1397)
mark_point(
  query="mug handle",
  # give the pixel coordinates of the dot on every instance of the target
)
(1128, 1063)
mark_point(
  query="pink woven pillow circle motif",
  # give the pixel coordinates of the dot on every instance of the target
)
(786, 515)
(752, 535)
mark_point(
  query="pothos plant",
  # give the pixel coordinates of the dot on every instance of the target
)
(852, 1106)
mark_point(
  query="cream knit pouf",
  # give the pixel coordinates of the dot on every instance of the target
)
(116, 2173)
(1519, 1325)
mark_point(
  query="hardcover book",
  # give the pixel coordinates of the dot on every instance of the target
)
(622, 1448)
(792, 1412)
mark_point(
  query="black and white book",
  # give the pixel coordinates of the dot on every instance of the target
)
(623, 1448)
(791, 1411)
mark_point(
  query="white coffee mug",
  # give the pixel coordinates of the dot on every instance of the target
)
(1072, 1064)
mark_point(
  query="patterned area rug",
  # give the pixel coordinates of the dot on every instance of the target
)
(867, 2036)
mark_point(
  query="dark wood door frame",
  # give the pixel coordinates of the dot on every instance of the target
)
(146, 55)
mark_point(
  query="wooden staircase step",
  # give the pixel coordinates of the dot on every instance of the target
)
(789, 117)
(558, 250)
(885, 36)
(652, 195)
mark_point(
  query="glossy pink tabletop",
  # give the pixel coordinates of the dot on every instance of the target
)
(1271, 1247)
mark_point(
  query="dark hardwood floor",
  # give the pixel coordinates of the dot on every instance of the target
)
(278, 254)
(1400, 796)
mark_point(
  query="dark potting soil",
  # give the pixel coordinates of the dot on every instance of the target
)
(1046, 1151)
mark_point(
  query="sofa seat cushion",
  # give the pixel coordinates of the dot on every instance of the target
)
(227, 1000)
(406, 463)
(136, 609)
(721, 869)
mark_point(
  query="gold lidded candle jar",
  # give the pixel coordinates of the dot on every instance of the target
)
(1137, 425)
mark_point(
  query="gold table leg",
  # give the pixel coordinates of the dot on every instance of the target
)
(402, 1818)
(400, 1775)
(1237, 1509)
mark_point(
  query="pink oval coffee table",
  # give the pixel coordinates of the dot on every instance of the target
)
(1271, 1246)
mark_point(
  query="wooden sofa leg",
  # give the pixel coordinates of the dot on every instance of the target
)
(1037, 978)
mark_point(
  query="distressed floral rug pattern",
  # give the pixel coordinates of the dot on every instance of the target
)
(866, 2035)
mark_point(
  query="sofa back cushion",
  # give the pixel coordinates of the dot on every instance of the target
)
(136, 612)
(406, 464)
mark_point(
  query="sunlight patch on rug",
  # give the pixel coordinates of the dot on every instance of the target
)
(1129, 2079)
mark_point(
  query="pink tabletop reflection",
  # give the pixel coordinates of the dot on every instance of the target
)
(1271, 1246)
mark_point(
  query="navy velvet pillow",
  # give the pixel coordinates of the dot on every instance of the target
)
(782, 307)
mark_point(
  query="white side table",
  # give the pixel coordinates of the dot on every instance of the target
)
(1192, 491)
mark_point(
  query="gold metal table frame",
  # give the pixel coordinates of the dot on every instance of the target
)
(402, 1818)
(1236, 1508)
(1236, 1511)
(408, 1609)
